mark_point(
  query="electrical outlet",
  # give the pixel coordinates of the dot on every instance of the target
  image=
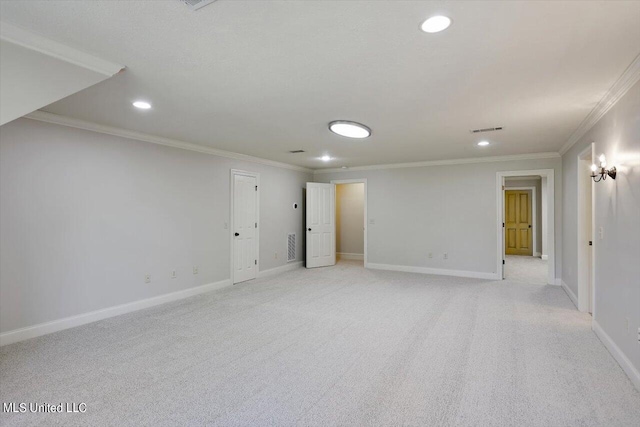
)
(430, 254)
(601, 232)
(147, 278)
(195, 270)
(174, 274)
(626, 324)
(445, 256)
(372, 221)
(639, 335)
(226, 225)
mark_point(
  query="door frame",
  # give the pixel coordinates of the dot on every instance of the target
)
(586, 297)
(549, 174)
(232, 174)
(534, 216)
(366, 217)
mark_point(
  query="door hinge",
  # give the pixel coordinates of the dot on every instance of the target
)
(502, 262)
(503, 225)
(256, 262)
(590, 242)
(256, 225)
(256, 188)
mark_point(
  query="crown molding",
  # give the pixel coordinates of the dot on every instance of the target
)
(626, 81)
(58, 119)
(491, 159)
(43, 116)
(46, 46)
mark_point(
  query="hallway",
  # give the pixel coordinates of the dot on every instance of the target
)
(525, 269)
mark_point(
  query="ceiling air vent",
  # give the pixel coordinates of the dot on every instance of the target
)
(296, 151)
(486, 129)
(197, 4)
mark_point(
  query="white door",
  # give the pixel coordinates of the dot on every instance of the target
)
(321, 225)
(245, 223)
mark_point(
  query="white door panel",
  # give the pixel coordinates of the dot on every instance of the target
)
(244, 227)
(321, 230)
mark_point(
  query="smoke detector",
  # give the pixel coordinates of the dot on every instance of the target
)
(196, 4)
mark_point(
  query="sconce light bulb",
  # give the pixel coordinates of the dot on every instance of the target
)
(594, 168)
(603, 160)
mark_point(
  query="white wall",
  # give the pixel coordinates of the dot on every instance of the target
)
(85, 216)
(537, 183)
(439, 209)
(350, 218)
(617, 211)
(30, 80)
(544, 220)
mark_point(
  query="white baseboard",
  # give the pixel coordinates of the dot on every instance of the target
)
(344, 255)
(277, 270)
(437, 271)
(572, 296)
(621, 358)
(538, 254)
(93, 316)
(544, 257)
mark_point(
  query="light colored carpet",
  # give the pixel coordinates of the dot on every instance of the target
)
(332, 346)
(526, 269)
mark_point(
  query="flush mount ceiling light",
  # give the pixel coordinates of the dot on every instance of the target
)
(349, 129)
(435, 24)
(483, 143)
(143, 105)
(325, 158)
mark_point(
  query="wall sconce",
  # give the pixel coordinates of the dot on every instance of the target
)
(602, 173)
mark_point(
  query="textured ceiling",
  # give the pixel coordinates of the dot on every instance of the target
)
(265, 77)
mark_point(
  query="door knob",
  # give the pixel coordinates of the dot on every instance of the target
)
(309, 229)
(237, 234)
(529, 225)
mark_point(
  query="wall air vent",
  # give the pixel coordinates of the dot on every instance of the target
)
(296, 151)
(486, 129)
(291, 247)
(196, 4)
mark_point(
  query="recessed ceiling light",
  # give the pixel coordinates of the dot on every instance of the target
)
(349, 129)
(435, 24)
(325, 158)
(483, 143)
(143, 105)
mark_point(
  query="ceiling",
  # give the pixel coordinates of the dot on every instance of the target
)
(263, 78)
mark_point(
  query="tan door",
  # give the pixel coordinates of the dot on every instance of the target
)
(517, 214)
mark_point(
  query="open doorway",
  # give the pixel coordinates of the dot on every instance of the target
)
(525, 228)
(351, 235)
